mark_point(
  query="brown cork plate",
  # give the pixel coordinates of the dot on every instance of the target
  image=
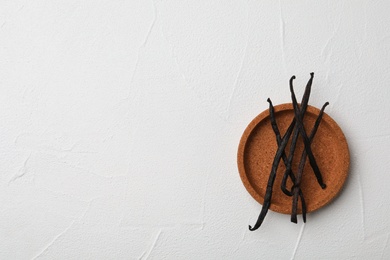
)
(258, 146)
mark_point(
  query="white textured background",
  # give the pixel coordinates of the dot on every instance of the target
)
(120, 121)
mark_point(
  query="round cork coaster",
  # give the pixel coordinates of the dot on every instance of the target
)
(257, 150)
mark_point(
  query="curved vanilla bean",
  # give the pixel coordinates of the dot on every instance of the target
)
(278, 141)
(296, 188)
(271, 179)
(306, 141)
(284, 157)
(302, 111)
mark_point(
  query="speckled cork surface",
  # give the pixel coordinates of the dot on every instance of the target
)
(257, 150)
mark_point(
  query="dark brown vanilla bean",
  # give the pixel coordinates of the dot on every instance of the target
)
(304, 104)
(284, 157)
(271, 179)
(296, 188)
(305, 138)
(278, 141)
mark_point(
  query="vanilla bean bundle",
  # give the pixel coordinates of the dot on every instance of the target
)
(295, 130)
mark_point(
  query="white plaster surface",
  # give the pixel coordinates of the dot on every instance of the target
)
(120, 121)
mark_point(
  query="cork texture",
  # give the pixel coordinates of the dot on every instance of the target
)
(258, 146)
